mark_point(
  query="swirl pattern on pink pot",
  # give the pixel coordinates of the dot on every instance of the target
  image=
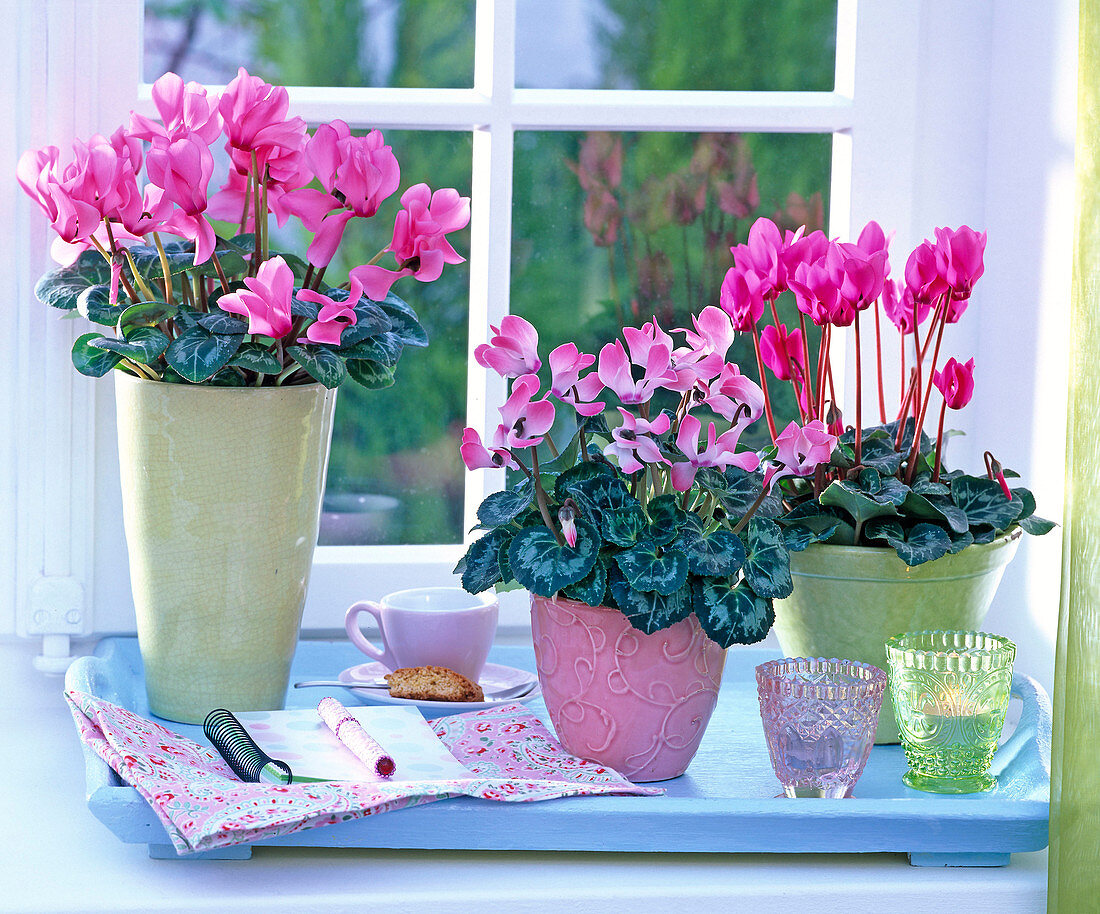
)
(638, 703)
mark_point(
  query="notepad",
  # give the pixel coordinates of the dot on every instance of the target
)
(301, 739)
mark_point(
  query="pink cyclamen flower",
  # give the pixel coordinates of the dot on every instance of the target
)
(631, 442)
(818, 294)
(955, 382)
(358, 173)
(183, 110)
(266, 302)
(567, 517)
(782, 350)
(477, 457)
(513, 351)
(615, 371)
(873, 239)
(720, 452)
(524, 420)
(800, 450)
(858, 275)
(333, 318)
(419, 243)
(961, 255)
(254, 115)
(742, 298)
(566, 365)
(735, 397)
(182, 169)
(760, 255)
(924, 273)
(229, 202)
(713, 332)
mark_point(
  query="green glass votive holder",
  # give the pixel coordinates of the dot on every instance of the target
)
(950, 692)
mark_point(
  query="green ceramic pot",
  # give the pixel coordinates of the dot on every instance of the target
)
(848, 600)
(221, 498)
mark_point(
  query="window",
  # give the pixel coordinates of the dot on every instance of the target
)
(850, 105)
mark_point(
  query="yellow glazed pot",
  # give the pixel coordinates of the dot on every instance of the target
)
(221, 498)
(848, 600)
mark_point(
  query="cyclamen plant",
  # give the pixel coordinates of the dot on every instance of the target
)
(232, 311)
(660, 521)
(885, 485)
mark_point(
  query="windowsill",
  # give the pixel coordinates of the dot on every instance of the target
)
(60, 858)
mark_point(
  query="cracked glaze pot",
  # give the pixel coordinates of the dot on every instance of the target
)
(221, 499)
(638, 703)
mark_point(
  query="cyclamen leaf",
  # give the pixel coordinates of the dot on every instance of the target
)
(1037, 526)
(372, 375)
(197, 354)
(503, 507)
(320, 363)
(405, 324)
(940, 511)
(384, 348)
(665, 517)
(480, 567)
(858, 504)
(142, 344)
(879, 454)
(984, 502)
(922, 543)
(544, 566)
(218, 321)
(623, 526)
(767, 568)
(717, 554)
(732, 614)
(647, 567)
(95, 305)
(591, 589)
(91, 361)
(61, 288)
(798, 537)
(648, 611)
(370, 320)
(146, 314)
(256, 357)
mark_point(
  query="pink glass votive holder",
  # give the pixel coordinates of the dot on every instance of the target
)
(819, 720)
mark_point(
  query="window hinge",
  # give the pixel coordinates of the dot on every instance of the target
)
(55, 611)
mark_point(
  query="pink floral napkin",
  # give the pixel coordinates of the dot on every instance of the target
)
(203, 805)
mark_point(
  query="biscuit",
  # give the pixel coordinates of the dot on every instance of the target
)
(432, 683)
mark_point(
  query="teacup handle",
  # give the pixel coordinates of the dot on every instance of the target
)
(351, 626)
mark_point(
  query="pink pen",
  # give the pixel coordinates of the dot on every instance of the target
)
(351, 733)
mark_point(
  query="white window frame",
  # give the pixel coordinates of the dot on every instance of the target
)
(73, 67)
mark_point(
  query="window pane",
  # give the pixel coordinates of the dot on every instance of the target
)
(656, 241)
(313, 43)
(676, 44)
(395, 475)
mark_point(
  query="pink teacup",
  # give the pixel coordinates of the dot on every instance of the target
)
(429, 626)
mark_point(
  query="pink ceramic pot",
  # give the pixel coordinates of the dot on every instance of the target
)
(635, 702)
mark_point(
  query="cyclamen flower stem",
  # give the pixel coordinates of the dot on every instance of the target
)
(221, 272)
(903, 413)
(262, 222)
(377, 257)
(134, 297)
(142, 284)
(540, 497)
(257, 258)
(317, 279)
(247, 200)
(859, 396)
(914, 453)
(878, 357)
(309, 276)
(763, 382)
(752, 510)
(164, 268)
(939, 443)
(806, 351)
(822, 359)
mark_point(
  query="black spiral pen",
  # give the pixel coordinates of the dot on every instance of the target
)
(248, 761)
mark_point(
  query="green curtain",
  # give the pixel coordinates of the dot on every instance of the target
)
(1074, 876)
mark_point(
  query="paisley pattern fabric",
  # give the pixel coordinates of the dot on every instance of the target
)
(512, 756)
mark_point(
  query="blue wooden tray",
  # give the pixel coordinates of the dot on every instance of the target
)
(725, 803)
